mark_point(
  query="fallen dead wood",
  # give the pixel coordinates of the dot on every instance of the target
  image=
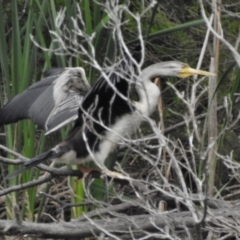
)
(122, 224)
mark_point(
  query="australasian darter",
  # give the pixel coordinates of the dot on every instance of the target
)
(106, 115)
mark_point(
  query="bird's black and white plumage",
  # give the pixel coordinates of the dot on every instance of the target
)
(107, 115)
(52, 102)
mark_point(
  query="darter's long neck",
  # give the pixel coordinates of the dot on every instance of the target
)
(148, 92)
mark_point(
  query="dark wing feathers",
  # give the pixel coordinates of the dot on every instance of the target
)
(31, 163)
(103, 96)
(48, 155)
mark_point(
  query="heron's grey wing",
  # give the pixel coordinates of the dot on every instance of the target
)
(19, 107)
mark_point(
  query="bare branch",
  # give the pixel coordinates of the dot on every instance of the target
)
(116, 226)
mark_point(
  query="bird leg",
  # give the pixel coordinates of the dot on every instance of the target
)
(85, 170)
(104, 172)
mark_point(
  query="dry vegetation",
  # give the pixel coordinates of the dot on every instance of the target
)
(184, 170)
